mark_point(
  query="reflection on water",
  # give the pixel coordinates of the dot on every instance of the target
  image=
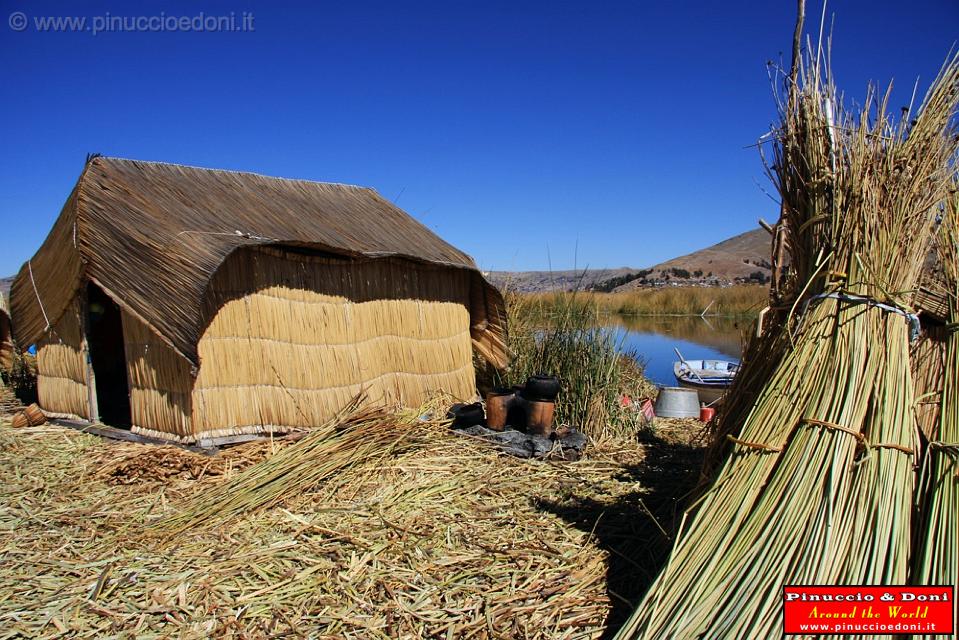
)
(653, 339)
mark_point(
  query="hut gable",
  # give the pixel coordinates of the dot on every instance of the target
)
(152, 235)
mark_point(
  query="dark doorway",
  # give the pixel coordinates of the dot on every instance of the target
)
(105, 341)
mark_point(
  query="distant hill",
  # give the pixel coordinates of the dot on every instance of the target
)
(535, 281)
(5, 285)
(741, 258)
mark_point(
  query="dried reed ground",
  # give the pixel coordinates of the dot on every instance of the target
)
(449, 540)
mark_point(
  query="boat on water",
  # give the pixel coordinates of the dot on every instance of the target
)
(705, 374)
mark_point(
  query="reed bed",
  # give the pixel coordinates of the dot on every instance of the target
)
(819, 486)
(735, 301)
(444, 539)
(937, 557)
(571, 342)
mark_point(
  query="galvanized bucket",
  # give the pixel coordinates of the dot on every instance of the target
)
(677, 402)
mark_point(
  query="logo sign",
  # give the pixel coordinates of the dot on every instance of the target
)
(818, 610)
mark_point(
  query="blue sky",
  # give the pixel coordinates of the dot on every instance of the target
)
(525, 133)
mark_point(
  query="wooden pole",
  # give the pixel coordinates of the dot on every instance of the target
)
(778, 243)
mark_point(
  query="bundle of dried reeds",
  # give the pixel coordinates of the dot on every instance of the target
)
(928, 357)
(356, 437)
(137, 464)
(819, 486)
(937, 558)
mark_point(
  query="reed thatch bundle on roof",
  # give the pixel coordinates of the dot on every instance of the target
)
(245, 304)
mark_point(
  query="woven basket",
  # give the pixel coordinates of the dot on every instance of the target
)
(34, 415)
(19, 421)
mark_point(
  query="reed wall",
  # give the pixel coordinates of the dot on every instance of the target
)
(61, 367)
(160, 382)
(293, 337)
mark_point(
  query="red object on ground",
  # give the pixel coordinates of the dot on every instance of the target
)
(706, 414)
(646, 406)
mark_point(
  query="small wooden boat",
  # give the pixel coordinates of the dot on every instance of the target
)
(705, 374)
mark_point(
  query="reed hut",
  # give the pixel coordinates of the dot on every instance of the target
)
(198, 305)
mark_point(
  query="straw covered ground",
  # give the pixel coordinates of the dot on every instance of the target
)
(442, 537)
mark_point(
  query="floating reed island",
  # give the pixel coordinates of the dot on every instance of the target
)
(378, 524)
(196, 305)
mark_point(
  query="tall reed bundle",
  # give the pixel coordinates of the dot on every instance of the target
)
(355, 437)
(928, 370)
(819, 486)
(937, 560)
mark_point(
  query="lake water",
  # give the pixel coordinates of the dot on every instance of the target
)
(653, 339)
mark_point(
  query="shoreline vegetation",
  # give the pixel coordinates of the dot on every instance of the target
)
(743, 301)
(565, 333)
(571, 341)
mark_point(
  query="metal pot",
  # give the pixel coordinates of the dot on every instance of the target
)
(541, 388)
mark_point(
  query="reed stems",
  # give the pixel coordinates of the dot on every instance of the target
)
(356, 437)
(818, 489)
(937, 556)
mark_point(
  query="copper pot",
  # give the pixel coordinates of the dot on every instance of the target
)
(539, 417)
(498, 402)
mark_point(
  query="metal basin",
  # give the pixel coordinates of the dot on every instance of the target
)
(677, 402)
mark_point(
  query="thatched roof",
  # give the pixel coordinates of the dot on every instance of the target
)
(152, 235)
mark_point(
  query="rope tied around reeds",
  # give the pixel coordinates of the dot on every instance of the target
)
(863, 441)
(950, 451)
(835, 427)
(949, 448)
(895, 447)
(759, 446)
(850, 298)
